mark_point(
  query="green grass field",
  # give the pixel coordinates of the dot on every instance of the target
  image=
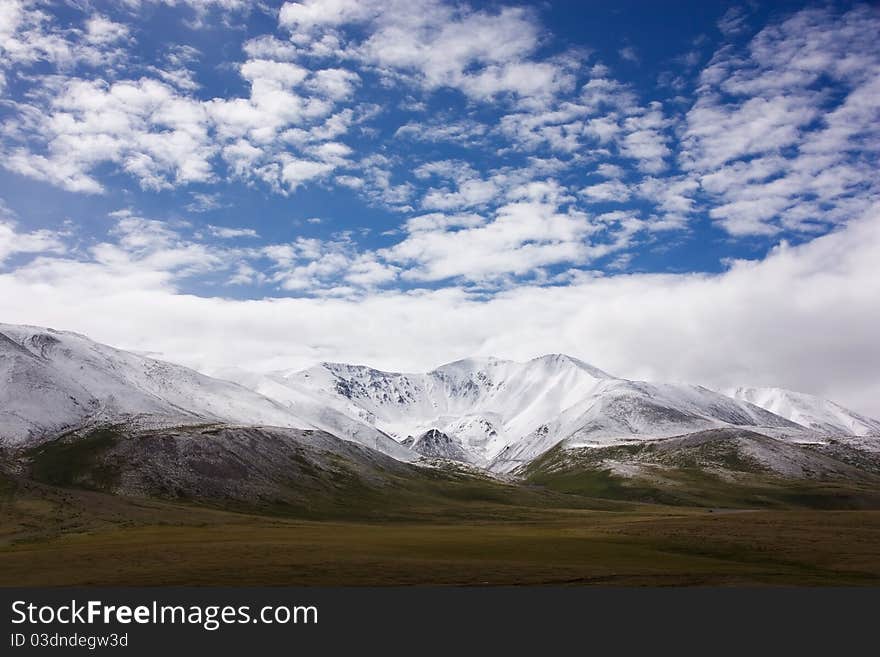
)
(54, 536)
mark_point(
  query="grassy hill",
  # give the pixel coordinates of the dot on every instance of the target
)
(217, 505)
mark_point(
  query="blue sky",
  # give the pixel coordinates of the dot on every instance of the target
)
(442, 157)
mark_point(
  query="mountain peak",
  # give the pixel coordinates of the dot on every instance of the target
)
(809, 411)
(461, 366)
(436, 444)
(482, 410)
(472, 364)
(564, 359)
(348, 367)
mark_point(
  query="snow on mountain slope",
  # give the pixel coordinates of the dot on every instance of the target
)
(813, 412)
(324, 411)
(51, 381)
(622, 410)
(503, 413)
(485, 411)
(484, 403)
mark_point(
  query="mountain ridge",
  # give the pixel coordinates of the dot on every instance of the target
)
(813, 412)
(55, 381)
(504, 412)
(489, 412)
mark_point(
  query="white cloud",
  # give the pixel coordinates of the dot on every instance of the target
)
(227, 10)
(265, 71)
(142, 126)
(470, 191)
(734, 21)
(378, 184)
(269, 47)
(226, 232)
(205, 202)
(366, 271)
(13, 241)
(439, 221)
(521, 238)
(672, 194)
(165, 137)
(613, 190)
(435, 44)
(311, 14)
(784, 133)
(629, 54)
(464, 131)
(644, 139)
(308, 264)
(609, 170)
(336, 83)
(605, 119)
(295, 172)
(100, 30)
(29, 35)
(139, 234)
(765, 322)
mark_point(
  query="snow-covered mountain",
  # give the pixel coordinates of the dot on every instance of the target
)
(818, 414)
(501, 413)
(324, 411)
(493, 413)
(437, 444)
(621, 410)
(484, 404)
(54, 381)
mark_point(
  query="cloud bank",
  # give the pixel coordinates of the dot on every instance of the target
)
(806, 317)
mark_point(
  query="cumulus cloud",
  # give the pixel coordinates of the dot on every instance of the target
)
(605, 119)
(521, 238)
(154, 127)
(613, 190)
(29, 35)
(165, 138)
(469, 190)
(783, 134)
(435, 44)
(14, 241)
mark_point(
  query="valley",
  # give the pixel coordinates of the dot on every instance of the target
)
(120, 469)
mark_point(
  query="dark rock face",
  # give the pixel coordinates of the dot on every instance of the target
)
(436, 444)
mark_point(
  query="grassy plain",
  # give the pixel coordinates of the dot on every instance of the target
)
(57, 536)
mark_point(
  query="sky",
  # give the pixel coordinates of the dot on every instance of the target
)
(670, 191)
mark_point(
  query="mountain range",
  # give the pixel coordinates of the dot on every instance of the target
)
(500, 414)
(487, 414)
